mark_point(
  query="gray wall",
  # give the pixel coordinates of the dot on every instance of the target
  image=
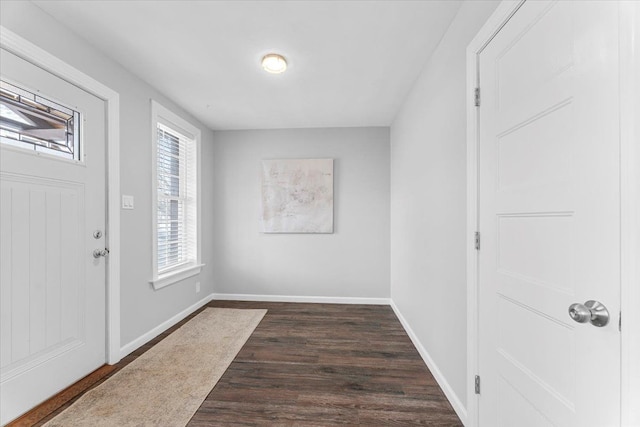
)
(428, 201)
(421, 175)
(142, 308)
(351, 262)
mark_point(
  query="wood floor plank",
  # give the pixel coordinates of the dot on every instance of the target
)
(322, 365)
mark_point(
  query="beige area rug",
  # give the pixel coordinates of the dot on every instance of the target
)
(166, 385)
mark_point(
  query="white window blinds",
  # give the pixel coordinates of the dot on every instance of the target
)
(177, 205)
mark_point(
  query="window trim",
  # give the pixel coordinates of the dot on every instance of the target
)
(162, 115)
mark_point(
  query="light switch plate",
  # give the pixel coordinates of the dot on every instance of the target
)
(127, 202)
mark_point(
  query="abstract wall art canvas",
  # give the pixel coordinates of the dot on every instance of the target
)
(297, 196)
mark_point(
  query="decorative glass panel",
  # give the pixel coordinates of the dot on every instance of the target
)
(35, 123)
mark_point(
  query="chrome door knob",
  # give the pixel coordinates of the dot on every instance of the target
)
(97, 253)
(579, 313)
(592, 311)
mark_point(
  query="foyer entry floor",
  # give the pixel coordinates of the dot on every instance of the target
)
(323, 365)
(310, 365)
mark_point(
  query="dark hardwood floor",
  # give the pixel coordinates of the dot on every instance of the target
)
(318, 365)
(326, 364)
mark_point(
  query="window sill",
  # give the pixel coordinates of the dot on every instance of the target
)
(175, 276)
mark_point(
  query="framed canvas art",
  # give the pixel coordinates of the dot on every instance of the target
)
(297, 196)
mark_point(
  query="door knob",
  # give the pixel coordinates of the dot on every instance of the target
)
(592, 311)
(97, 253)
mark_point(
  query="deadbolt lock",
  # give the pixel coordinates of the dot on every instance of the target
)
(97, 253)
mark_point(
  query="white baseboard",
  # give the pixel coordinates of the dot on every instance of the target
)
(437, 374)
(145, 338)
(292, 298)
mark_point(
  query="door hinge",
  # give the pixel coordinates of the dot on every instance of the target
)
(477, 384)
(476, 97)
(477, 240)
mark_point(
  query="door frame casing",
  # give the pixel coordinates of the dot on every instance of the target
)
(630, 203)
(32, 53)
(630, 210)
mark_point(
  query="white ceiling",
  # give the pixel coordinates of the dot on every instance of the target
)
(351, 63)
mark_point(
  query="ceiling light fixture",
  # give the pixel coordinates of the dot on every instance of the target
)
(274, 63)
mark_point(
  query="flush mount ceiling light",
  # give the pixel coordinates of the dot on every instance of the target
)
(274, 63)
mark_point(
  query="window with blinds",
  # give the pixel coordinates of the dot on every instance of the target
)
(175, 200)
(176, 206)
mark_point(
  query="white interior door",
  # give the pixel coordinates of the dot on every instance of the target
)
(549, 217)
(52, 324)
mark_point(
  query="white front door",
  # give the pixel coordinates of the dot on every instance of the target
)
(549, 217)
(52, 299)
